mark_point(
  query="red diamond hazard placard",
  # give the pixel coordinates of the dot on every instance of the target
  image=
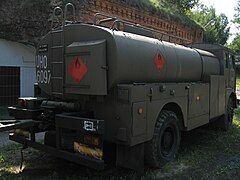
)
(77, 69)
(159, 61)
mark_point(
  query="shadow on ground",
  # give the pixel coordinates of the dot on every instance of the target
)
(204, 153)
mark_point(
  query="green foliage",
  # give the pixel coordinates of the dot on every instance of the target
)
(146, 4)
(165, 8)
(184, 6)
(238, 85)
(216, 26)
(235, 44)
(2, 159)
(237, 13)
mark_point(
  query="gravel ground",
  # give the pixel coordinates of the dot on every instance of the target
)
(4, 135)
(4, 139)
(205, 153)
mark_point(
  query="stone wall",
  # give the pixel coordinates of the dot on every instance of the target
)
(142, 17)
(28, 20)
(23, 20)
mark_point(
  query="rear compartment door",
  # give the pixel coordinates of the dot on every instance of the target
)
(86, 70)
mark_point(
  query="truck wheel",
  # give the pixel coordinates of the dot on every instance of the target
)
(50, 138)
(165, 142)
(226, 121)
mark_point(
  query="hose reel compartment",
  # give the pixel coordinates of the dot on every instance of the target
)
(86, 69)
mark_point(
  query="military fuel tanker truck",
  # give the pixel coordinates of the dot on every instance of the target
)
(120, 92)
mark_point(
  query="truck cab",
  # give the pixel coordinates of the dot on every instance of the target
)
(227, 61)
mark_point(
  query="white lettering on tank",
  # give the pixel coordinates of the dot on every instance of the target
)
(43, 73)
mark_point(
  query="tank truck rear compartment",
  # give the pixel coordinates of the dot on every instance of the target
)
(109, 93)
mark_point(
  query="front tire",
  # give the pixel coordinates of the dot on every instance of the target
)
(165, 142)
(226, 120)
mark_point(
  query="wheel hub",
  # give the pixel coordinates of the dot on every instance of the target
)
(167, 141)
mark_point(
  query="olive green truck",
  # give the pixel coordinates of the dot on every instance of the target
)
(119, 93)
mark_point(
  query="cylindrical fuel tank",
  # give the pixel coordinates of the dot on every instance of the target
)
(126, 57)
(136, 59)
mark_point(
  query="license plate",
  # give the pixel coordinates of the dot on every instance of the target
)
(88, 151)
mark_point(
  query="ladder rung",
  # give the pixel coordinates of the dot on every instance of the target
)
(57, 93)
(58, 78)
(56, 47)
(57, 62)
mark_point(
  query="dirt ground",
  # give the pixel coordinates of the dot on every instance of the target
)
(200, 157)
(205, 153)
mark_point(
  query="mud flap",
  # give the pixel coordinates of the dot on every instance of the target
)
(131, 157)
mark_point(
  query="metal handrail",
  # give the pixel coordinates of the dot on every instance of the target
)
(108, 18)
(162, 34)
(54, 15)
(66, 10)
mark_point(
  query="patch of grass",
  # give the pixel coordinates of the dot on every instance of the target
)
(238, 81)
(9, 164)
(10, 160)
(205, 153)
(163, 8)
(6, 154)
(236, 118)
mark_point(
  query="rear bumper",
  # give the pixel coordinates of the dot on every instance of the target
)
(70, 128)
(20, 113)
(73, 157)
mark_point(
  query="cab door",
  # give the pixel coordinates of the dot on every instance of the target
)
(232, 72)
(229, 70)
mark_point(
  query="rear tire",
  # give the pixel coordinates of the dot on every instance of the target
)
(50, 138)
(165, 142)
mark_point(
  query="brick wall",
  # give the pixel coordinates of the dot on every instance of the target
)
(132, 14)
